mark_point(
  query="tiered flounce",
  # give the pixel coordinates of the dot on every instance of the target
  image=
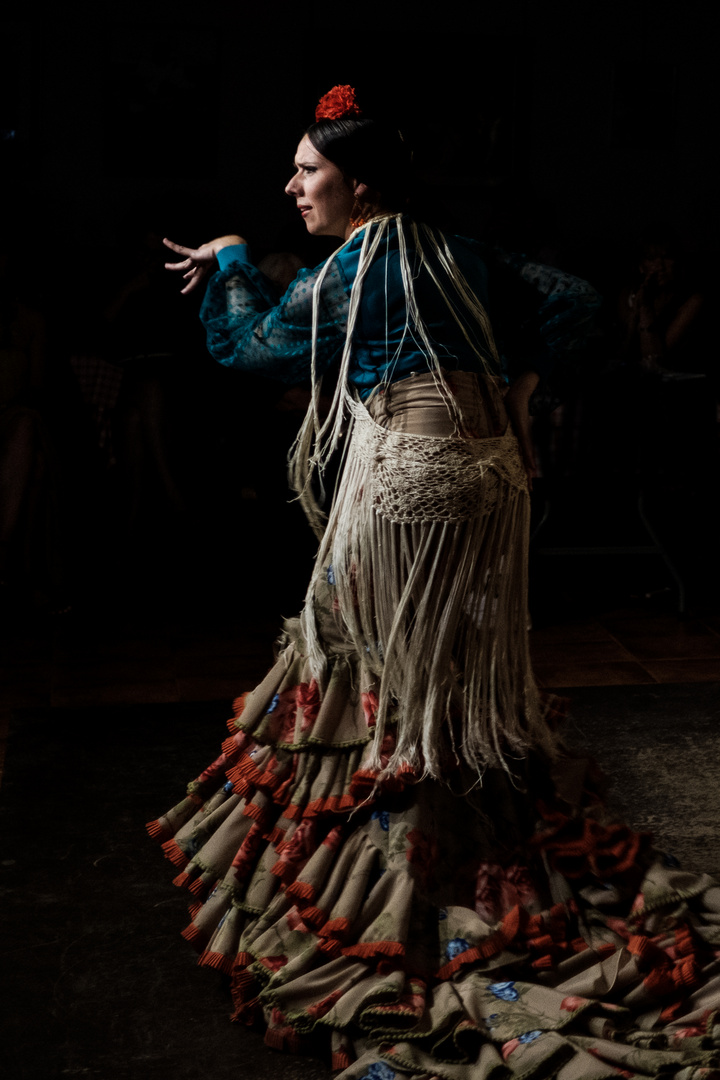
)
(457, 930)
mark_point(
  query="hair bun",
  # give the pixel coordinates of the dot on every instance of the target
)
(339, 103)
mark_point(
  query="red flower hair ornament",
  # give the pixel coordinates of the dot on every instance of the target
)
(339, 103)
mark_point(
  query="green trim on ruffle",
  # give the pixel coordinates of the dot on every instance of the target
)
(240, 905)
(307, 744)
(667, 899)
(543, 1069)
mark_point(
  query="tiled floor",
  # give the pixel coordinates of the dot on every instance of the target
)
(160, 663)
(80, 665)
(626, 647)
(72, 665)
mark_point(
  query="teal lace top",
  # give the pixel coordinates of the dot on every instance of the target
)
(250, 326)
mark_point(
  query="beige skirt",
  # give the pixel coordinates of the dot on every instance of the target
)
(451, 928)
(417, 405)
(426, 544)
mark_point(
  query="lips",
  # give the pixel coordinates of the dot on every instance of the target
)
(304, 209)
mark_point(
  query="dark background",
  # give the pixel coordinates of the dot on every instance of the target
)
(560, 128)
(606, 112)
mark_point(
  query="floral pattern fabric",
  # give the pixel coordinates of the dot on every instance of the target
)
(468, 928)
(457, 930)
(544, 319)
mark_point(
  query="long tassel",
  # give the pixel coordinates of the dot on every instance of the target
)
(467, 298)
(316, 442)
(433, 604)
(436, 611)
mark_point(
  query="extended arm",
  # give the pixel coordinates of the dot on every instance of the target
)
(250, 326)
(197, 263)
(544, 320)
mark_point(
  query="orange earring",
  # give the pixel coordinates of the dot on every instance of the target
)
(356, 218)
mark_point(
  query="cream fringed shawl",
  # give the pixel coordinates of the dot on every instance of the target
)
(427, 538)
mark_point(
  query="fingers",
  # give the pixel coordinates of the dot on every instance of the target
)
(178, 265)
(177, 247)
(194, 267)
(194, 276)
(185, 263)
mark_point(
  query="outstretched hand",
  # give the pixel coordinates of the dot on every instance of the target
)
(517, 403)
(198, 262)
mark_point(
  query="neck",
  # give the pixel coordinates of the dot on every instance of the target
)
(369, 215)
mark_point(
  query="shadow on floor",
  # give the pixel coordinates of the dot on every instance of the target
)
(101, 987)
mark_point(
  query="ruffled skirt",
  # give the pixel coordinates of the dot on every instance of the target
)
(479, 926)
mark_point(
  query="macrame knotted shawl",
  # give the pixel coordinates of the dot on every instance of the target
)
(427, 540)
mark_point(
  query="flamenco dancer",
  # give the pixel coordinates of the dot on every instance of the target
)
(394, 854)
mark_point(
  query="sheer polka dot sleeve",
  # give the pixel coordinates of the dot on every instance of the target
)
(248, 326)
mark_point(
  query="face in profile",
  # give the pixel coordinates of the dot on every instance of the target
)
(323, 194)
(658, 263)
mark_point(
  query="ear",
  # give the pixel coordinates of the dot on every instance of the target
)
(361, 191)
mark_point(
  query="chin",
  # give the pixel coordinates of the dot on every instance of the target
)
(326, 230)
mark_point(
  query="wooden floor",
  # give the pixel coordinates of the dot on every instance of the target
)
(76, 663)
(627, 647)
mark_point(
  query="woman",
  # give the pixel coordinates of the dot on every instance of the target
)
(390, 849)
(659, 315)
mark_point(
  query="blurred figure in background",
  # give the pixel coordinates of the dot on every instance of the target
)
(660, 311)
(31, 562)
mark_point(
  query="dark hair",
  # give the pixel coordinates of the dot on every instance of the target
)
(662, 235)
(369, 152)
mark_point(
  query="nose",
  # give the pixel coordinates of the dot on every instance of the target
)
(293, 187)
